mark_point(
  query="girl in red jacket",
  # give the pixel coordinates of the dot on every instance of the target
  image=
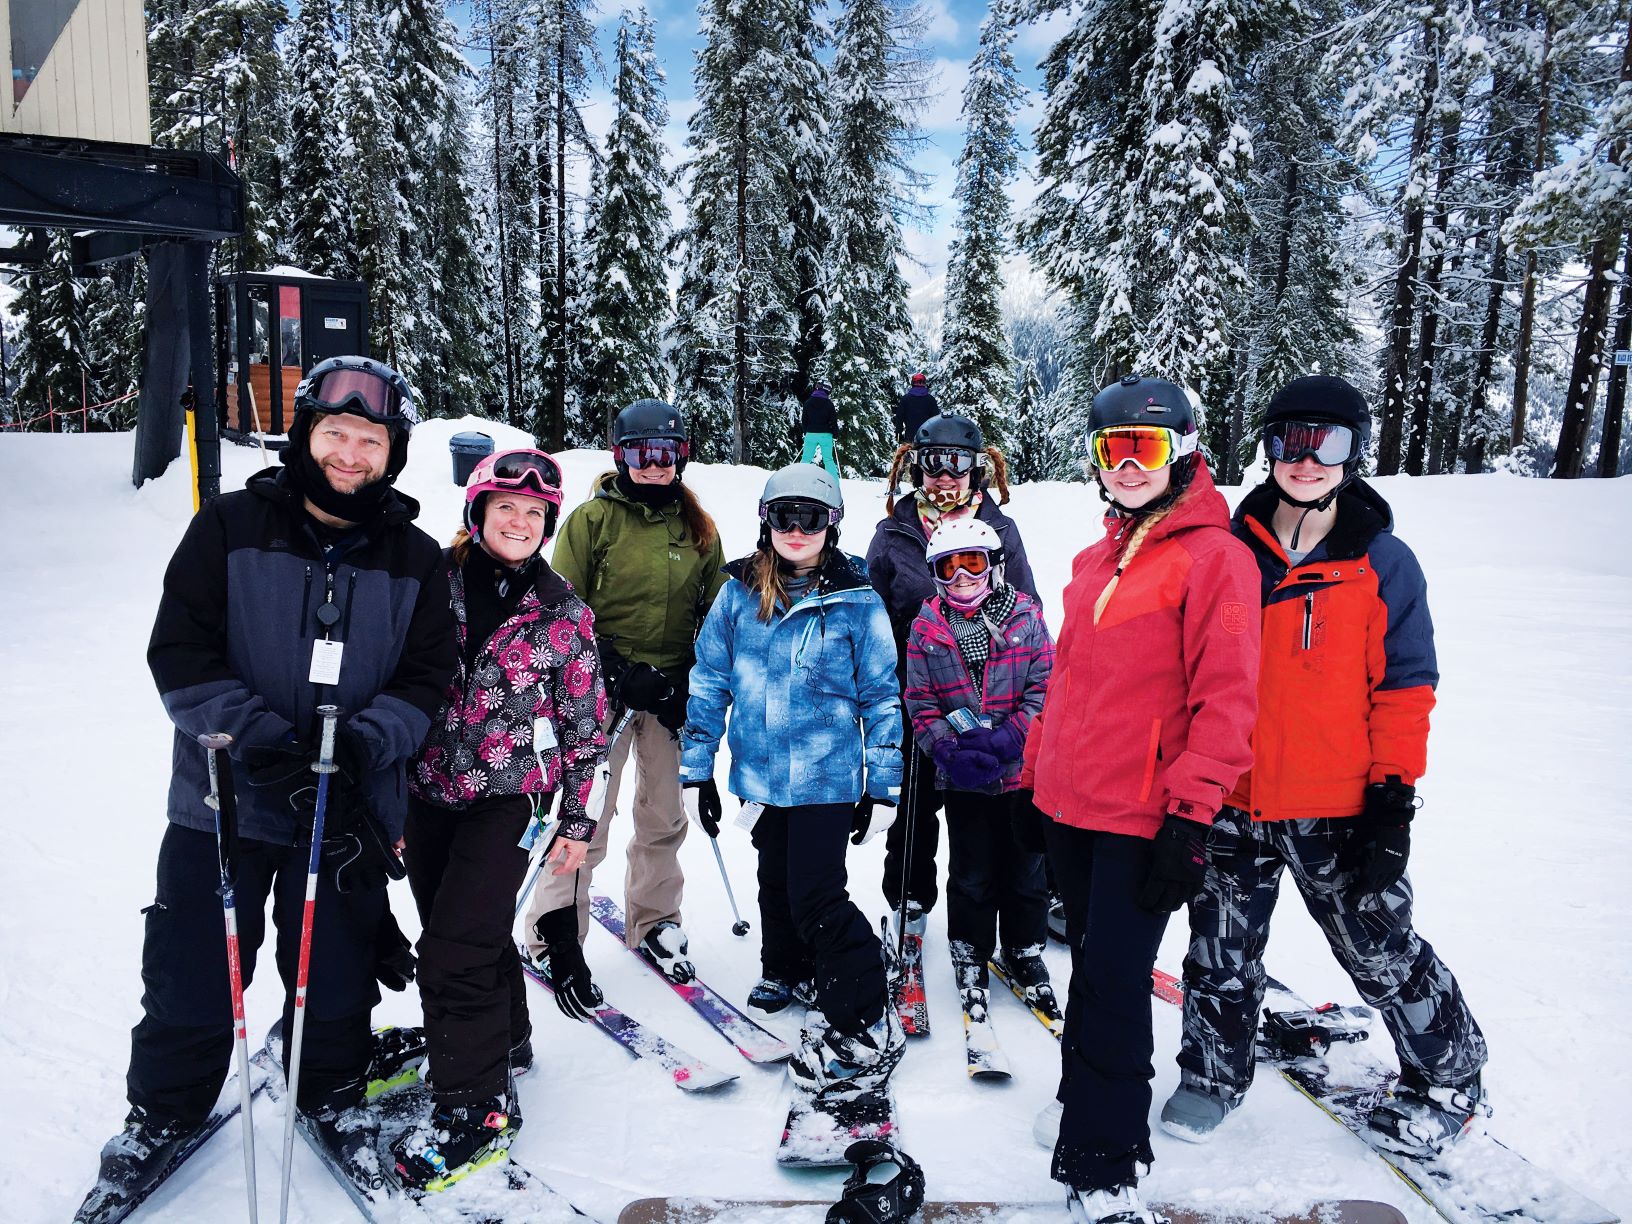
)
(1144, 733)
(1342, 737)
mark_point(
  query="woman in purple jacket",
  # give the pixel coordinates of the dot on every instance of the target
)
(521, 719)
(978, 662)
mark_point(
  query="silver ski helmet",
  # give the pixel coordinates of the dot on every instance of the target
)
(807, 491)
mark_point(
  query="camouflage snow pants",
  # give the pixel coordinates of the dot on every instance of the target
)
(1394, 969)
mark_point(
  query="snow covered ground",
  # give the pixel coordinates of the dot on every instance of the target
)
(1522, 858)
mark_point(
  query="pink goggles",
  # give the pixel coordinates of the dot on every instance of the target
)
(516, 471)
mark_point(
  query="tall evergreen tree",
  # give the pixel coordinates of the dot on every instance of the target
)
(879, 80)
(977, 364)
(318, 216)
(628, 279)
(51, 367)
(810, 231)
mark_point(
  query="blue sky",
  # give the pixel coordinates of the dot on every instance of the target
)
(951, 32)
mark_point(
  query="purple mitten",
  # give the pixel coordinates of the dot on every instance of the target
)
(978, 738)
(1008, 742)
(971, 769)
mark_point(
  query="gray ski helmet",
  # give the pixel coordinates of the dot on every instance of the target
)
(806, 482)
(948, 429)
(649, 418)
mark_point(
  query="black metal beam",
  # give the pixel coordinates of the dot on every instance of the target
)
(159, 193)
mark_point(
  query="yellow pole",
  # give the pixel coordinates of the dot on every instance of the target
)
(192, 455)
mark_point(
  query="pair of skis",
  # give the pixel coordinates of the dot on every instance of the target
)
(686, 1071)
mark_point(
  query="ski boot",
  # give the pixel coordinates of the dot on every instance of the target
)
(1422, 1120)
(521, 1057)
(860, 1062)
(1027, 970)
(974, 980)
(397, 1060)
(914, 919)
(1193, 1114)
(771, 995)
(665, 943)
(456, 1141)
(1056, 918)
(870, 1197)
(1118, 1205)
(351, 1134)
(132, 1161)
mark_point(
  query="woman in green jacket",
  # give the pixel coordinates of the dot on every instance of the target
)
(645, 556)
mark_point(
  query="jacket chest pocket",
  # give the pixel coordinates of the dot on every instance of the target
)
(827, 661)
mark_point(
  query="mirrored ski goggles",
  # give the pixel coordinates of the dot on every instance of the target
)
(523, 470)
(805, 517)
(653, 452)
(974, 562)
(1329, 443)
(1150, 447)
(363, 392)
(945, 461)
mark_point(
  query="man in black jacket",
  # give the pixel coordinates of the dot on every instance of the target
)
(322, 549)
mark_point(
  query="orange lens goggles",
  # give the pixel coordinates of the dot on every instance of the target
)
(974, 563)
(1151, 447)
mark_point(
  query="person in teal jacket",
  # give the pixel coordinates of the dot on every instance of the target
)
(798, 649)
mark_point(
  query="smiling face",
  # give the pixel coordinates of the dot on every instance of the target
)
(653, 475)
(1131, 487)
(513, 526)
(965, 588)
(351, 451)
(1308, 479)
(798, 549)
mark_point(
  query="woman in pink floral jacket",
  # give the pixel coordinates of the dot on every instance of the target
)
(520, 720)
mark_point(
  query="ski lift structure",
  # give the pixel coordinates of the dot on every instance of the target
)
(76, 154)
(271, 327)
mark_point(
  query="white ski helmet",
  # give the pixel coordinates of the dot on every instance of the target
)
(964, 535)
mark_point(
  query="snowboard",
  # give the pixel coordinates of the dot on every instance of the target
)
(756, 1044)
(104, 1205)
(498, 1192)
(688, 1073)
(820, 1126)
(790, 1211)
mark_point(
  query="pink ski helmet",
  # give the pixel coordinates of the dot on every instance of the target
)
(531, 472)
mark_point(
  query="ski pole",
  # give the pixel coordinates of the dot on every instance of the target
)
(739, 927)
(911, 797)
(597, 799)
(226, 828)
(324, 769)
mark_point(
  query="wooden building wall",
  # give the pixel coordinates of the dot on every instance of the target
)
(92, 84)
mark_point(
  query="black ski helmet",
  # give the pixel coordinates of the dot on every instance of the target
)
(357, 386)
(649, 418)
(1133, 400)
(954, 432)
(1321, 398)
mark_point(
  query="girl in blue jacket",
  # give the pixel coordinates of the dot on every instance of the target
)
(800, 645)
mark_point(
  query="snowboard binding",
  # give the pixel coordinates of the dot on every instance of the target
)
(1310, 1033)
(883, 1199)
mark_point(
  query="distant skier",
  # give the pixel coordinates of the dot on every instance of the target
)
(979, 650)
(1144, 733)
(819, 422)
(797, 651)
(914, 408)
(645, 556)
(1348, 649)
(953, 473)
(521, 719)
(262, 574)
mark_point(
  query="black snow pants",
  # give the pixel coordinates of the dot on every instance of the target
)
(465, 869)
(921, 800)
(181, 1049)
(809, 926)
(1105, 1056)
(994, 885)
(1394, 969)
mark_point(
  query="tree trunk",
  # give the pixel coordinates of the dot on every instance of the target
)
(1398, 365)
(558, 391)
(511, 373)
(739, 393)
(1423, 395)
(1527, 293)
(1609, 447)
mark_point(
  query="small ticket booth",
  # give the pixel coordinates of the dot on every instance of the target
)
(273, 327)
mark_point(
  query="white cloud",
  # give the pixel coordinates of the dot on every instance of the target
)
(940, 26)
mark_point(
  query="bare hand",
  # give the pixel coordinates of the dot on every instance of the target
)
(567, 855)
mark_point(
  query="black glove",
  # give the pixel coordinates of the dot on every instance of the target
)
(671, 710)
(394, 961)
(1383, 842)
(865, 824)
(1028, 823)
(575, 993)
(613, 665)
(1178, 866)
(706, 810)
(643, 687)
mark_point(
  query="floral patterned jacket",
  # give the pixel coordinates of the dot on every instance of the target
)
(540, 664)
